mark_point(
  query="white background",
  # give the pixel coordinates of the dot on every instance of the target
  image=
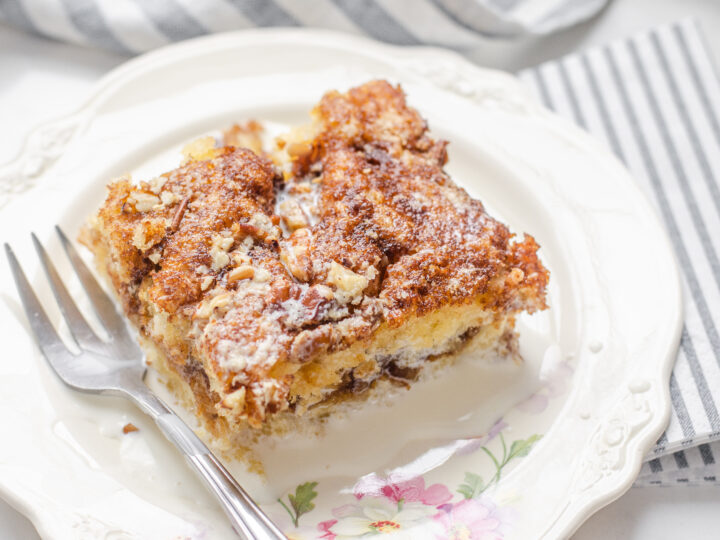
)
(41, 79)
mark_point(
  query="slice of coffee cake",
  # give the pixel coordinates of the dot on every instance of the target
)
(276, 290)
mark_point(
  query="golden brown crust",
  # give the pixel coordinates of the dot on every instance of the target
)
(223, 192)
(265, 273)
(386, 202)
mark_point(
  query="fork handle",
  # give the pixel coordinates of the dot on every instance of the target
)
(247, 519)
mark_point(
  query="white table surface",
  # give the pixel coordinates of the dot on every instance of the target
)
(41, 79)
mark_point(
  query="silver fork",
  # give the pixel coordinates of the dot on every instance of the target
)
(115, 367)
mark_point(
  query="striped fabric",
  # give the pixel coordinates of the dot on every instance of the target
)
(694, 466)
(654, 100)
(133, 26)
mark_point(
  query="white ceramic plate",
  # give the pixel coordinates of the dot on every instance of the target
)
(499, 451)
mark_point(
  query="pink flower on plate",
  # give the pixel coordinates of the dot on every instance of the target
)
(470, 519)
(406, 491)
(325, 526)
(414, 490)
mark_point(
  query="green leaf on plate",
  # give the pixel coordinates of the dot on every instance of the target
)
(472, 486)
(522, 447)
(301, 502)
(304, 495)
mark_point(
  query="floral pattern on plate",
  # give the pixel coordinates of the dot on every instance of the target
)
(413, 509)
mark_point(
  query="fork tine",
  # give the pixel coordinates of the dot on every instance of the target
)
(101, 302)
(81, 331)
(47, 338)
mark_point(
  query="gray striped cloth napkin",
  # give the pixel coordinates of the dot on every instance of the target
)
(692, 466)
(654, 100)
(132, 26)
